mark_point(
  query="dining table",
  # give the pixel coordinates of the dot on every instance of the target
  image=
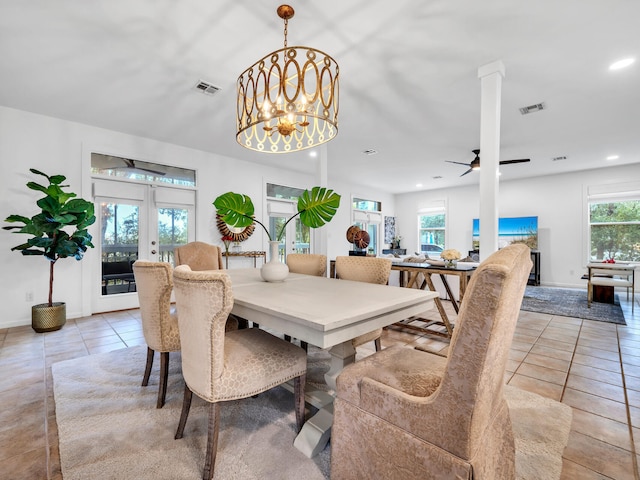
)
(327, 313)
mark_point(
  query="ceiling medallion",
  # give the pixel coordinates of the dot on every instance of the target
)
(288, 100)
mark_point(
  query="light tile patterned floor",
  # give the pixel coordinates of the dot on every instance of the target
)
(592, 366)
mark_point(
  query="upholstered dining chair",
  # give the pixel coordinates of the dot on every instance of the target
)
(434, 416)
(307, 264)
(219, 366)
(154, 282)
(203, 256)
(199, 256)
(370, 270)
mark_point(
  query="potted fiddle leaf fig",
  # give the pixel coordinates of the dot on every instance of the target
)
(58, 231)
(316, 207)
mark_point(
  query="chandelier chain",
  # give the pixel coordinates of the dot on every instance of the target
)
(286, 24)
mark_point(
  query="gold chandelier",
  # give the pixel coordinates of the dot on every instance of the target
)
(288, 100)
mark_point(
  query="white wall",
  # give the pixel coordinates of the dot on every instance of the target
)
(56, 146)
(558, 201)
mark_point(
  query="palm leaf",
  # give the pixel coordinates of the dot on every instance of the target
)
(318, 206)
(235, 209)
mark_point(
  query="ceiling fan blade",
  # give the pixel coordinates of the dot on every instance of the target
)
(155, 172)
(459, 163)
(470, 170)
(141, 169)
(520, 160)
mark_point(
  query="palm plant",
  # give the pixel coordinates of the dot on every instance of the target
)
(315, 208)
(59, 210)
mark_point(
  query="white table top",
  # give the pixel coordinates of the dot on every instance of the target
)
(323, 311)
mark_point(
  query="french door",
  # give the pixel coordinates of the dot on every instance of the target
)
(296, 237)
(135, 221)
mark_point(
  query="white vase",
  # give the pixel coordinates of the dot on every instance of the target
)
(274, 270)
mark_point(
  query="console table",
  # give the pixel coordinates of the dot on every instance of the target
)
(255, 255)
(410, 276)
(394, 251)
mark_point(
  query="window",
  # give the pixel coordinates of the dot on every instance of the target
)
(366, 215)
(431, 229)
(614, 228)
(128, 169)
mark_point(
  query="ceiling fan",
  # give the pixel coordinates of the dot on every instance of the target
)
(475, 164)
(131, 165)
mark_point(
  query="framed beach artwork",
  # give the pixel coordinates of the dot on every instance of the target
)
(511, 230)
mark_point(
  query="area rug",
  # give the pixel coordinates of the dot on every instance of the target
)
(569, 302)
(109, 428)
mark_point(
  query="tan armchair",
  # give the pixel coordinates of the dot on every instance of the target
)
(369, 270)
(199, 256)
(404, 413)
(219, 366)
(160, 327)
(307, 264)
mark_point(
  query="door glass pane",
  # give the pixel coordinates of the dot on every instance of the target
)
(119, 242)
(172, 231)
(372, 229)
(275, 227)
(303, 237)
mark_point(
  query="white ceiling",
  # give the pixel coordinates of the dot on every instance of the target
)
(408, 77)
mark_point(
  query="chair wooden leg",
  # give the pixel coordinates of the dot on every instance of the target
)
(164, 378)
(212, 441)
(298, 391)
(186, 406)
(378, 344)
(147, 368)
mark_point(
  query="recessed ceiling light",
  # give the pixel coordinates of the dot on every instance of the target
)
(613, 157)
(621, 63)
(313, 154)
(418, 185)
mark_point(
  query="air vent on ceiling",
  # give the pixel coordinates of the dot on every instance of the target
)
(206, 87)
(557, 159)
(370, 152)
(532, 108)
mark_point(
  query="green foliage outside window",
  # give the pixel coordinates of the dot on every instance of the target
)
(432, 229)
(615, 230)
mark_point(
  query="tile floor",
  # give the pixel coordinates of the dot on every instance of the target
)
(592, 366)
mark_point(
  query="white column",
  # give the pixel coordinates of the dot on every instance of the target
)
(321, 236)
(490, 76)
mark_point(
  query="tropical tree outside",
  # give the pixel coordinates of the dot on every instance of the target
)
(432, 229)
(615, 230)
